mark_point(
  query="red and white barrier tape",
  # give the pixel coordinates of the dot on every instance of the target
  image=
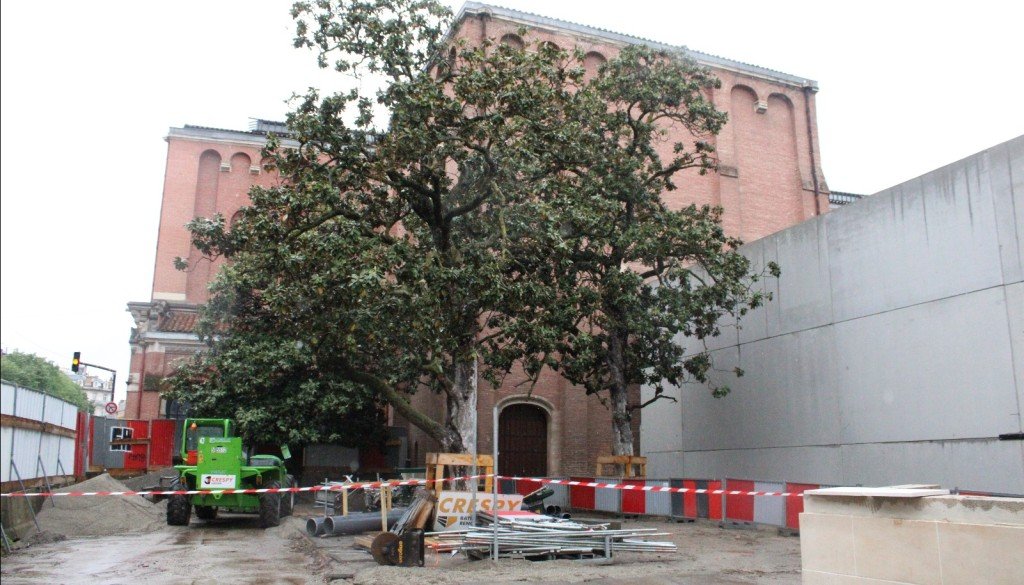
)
(396, 483)
(315, 488)
(651, 488)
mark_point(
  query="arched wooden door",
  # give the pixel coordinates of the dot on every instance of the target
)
(523, 441)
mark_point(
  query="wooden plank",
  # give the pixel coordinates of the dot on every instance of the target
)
(129, 442)
(55, 480)
(18, 422)
(464, 459)
(436, 463)
(627, 462)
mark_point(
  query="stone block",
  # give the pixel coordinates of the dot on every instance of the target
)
(977, 553)
(897, 550)
(827, 543)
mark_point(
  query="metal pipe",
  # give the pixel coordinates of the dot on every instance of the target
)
(494, 487)
(358, 523)
(315, 526)
(808, 91)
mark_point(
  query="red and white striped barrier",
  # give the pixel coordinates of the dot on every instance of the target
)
(644, 486)
(315, 488)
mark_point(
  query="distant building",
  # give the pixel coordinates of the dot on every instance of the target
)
(769, 179)
(98, 389)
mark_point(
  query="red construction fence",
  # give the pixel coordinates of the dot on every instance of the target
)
(123, 446)
(737, 503)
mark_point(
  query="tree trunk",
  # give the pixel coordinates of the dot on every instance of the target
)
(460, 419)
(440, 433)
(622, 432)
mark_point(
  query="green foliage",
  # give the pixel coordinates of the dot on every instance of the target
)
(508, 212)
(33, 372)
(633, 277)
(268, 387)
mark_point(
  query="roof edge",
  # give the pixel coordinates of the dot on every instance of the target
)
(474, 8)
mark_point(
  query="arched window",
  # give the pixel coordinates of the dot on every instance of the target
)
(592, 63)
(511, 40)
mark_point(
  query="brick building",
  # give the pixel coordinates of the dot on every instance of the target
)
(769, 179)
(208, 171)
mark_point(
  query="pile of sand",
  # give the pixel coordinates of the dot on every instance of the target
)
(74, 516)
(152, 479)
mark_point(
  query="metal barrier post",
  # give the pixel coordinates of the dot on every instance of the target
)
(42, 418)
(7, 542)
(494, 488)
(46, 477)
(725, 485)
(785, 506)
(27, 501)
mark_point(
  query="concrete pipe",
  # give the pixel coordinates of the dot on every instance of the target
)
(358, 523)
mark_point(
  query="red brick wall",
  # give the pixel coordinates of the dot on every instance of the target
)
(195, 186)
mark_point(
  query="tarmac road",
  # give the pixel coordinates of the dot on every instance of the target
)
(229, 550)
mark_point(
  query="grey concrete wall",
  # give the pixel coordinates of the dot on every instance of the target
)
(893, 351)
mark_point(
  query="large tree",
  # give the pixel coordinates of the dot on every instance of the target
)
(637, 280)
(388, 249)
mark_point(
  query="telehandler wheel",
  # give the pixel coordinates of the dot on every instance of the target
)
(288, 498)
(270, 507)
(206, 512)
(179, 508)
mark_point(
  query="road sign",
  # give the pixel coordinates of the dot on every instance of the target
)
(111, 408)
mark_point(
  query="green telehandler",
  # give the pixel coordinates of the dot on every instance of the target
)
(215, 461)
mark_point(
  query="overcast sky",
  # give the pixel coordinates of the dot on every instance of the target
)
(89, 90)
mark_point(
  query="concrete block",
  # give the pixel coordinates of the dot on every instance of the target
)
(803, 299)
(821, 578)
(664, 463)
(810, 464)
(905, 371)
(1004, 184)
(1015, 316)
(937, 228)
(973, 553)
(983, 464)
(827, 543)
(787, 379)
(897, 550)
(661, 426)
(754, 325)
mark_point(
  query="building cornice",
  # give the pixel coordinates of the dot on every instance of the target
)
(224, 136)
(553, 24)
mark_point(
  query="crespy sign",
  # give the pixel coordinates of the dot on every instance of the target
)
(213, 481)
(455, 508)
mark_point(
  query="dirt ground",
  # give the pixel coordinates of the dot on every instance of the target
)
(707, 555)
(233, 549)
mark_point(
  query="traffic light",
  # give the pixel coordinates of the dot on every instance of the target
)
(75, 361)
